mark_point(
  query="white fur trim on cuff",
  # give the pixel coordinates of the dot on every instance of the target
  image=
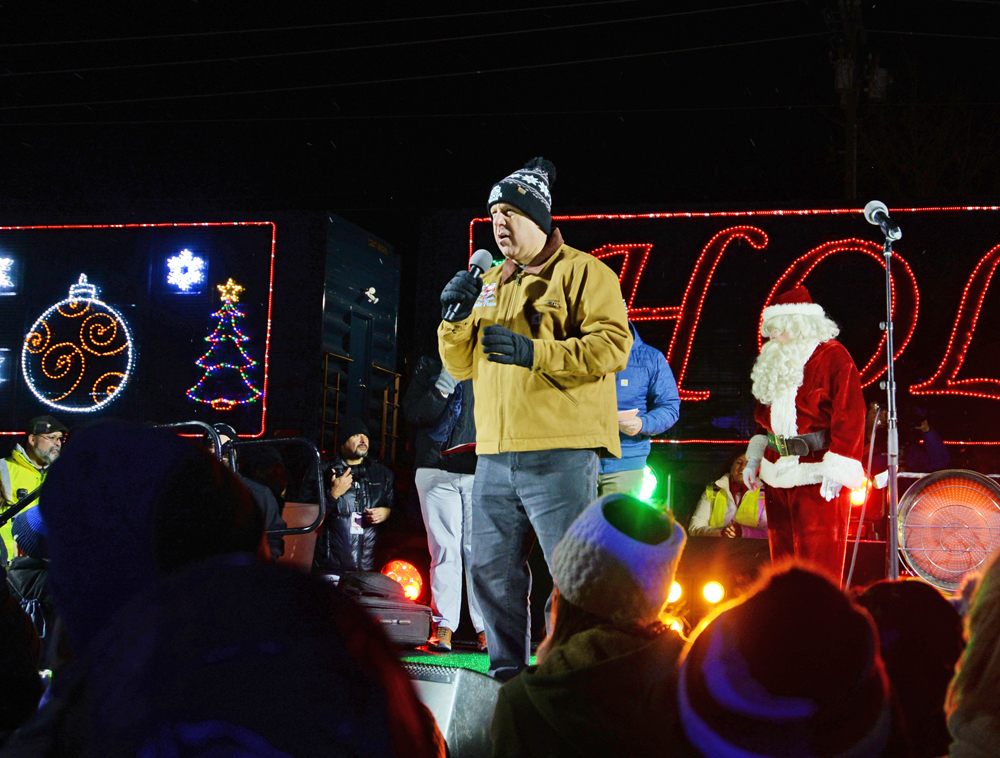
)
(846, 471)
(756, 446)
(792, 309)
(801, 475)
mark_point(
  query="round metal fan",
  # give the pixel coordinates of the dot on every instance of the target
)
(949, 524)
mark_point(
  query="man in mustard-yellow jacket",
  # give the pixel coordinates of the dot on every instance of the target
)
(541, 337)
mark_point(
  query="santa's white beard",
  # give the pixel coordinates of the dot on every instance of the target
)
(777, 376)
(779, 369)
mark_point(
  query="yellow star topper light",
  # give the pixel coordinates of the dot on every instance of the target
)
(230, 291)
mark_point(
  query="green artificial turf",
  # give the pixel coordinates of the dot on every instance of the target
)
(472, 661)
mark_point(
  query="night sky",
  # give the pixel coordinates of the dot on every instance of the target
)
(381, 111)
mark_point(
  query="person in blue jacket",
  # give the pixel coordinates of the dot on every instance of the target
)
(647, 386)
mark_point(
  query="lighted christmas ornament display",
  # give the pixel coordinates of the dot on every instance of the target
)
(225, 383)
(78, 356)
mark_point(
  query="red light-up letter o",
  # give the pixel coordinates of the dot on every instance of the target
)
(905, 300)
(944, 381)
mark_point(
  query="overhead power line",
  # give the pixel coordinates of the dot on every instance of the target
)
(332, 25)
(932, 34)
(421, 116)
(403, 79)
(384, 45)
(480, 114)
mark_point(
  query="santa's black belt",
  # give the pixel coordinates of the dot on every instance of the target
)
(800, 445)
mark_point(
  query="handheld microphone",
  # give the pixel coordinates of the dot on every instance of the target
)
(878, 215)
(481, 261)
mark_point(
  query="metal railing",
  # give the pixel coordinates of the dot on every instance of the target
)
(231, 447)
(229, 450)
(317, 461)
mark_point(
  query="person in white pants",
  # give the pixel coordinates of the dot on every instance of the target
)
(446, 505)
(442, 411)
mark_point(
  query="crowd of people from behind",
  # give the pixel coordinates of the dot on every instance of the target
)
(173, 633)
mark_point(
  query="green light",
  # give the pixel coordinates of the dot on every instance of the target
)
(648, 484)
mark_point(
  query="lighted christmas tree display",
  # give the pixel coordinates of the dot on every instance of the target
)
(225, 383)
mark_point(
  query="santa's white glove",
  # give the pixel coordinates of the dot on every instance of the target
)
(754, 453)
(829, 489)
(750, 478)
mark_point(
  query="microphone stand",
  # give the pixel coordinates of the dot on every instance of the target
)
(892, 434)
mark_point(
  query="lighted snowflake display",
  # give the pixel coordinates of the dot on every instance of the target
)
(6, 274)
(185, 270)
(78, 356)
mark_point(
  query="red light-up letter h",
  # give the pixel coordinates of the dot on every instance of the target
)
(689, 311)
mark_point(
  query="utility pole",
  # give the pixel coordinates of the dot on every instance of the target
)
(847, 81)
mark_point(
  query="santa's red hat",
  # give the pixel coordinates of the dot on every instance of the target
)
(794, 302)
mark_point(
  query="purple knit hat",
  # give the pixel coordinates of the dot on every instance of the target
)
(793, 670)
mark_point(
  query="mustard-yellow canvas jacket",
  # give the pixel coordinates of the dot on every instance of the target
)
(570, 305)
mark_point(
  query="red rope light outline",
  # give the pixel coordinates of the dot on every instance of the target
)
(630, 276)
(737, 214)
(270, 285)
(672, 312)
(965, 323)
(701, 276)
(802, 266)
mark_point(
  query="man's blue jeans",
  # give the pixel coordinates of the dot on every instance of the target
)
(516, 497)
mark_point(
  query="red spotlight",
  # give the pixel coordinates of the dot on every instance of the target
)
(407, 576)
(859, 496)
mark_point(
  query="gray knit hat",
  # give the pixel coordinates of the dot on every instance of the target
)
(618, 559)
(529, 190)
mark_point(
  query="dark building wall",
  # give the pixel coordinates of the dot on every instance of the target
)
(362, 329)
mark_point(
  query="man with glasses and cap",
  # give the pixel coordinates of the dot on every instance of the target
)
(24, 470)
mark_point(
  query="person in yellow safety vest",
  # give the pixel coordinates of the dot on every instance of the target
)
(24, 470)
(727, 508)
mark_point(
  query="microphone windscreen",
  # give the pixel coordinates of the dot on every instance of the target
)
(874, 205)
(483, 259)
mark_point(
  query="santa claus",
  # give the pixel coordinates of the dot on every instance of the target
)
(811, 413)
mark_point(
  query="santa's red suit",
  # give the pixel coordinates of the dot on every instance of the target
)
(801, 521)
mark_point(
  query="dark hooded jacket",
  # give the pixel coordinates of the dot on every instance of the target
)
(424, 406)
(238, 658)
(116, 530)
(270, 508)
(19, 657)
(604, 692)
(28, 579)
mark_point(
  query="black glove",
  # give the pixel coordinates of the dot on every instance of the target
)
(463, 289)
(501, 345)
